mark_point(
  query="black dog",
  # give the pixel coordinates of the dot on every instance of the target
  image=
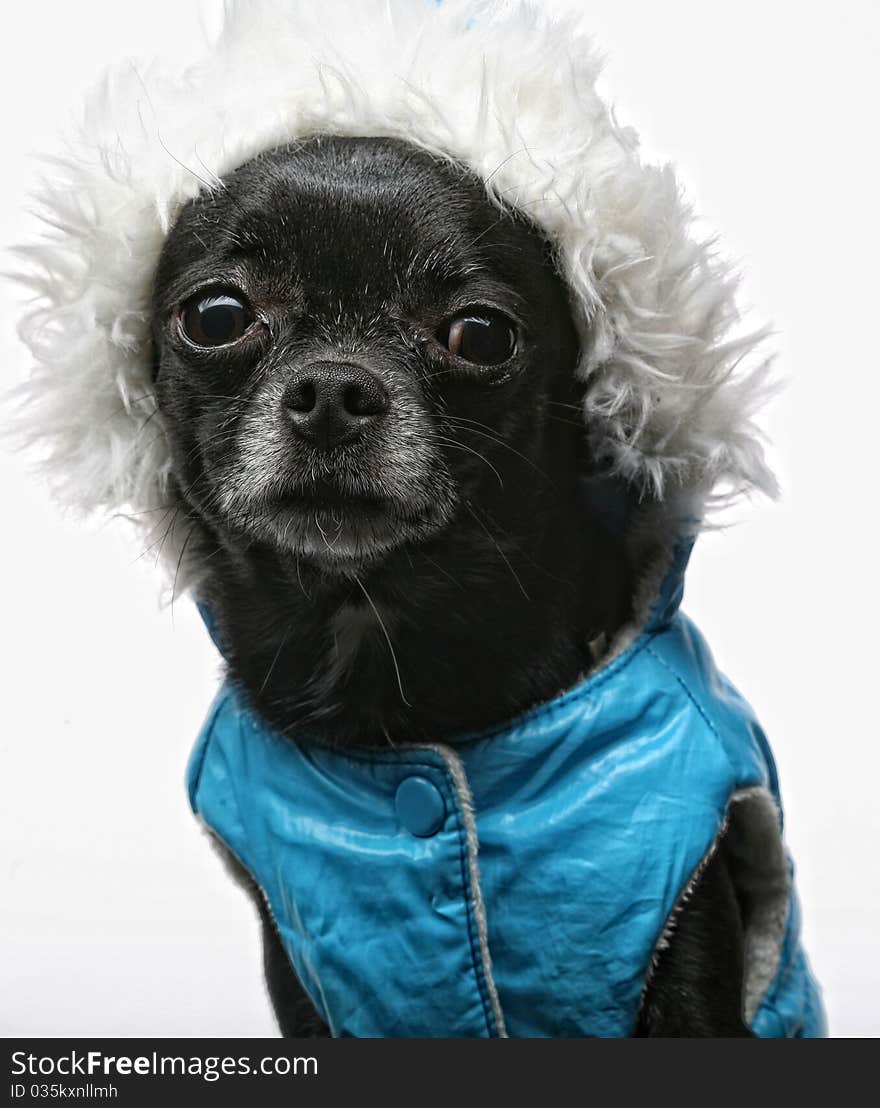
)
(365, 369)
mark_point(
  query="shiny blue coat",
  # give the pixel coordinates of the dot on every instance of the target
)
(516, 882)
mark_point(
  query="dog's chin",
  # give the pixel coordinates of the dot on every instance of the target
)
(344, 534)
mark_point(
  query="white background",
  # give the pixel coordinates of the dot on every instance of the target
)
(116, 918)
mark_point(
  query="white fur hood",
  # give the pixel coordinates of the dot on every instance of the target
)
(500, 87)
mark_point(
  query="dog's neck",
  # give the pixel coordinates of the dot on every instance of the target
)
(437, 640)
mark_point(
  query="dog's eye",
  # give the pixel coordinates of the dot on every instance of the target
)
(215, 318)
(481, 336)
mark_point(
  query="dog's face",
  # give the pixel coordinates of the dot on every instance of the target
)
(354, 345)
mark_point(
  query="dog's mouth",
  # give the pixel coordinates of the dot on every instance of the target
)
(334, 527)
(323, 498)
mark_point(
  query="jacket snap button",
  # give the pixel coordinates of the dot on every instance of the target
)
(420, 806)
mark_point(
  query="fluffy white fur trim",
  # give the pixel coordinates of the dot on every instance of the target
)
(501, 87)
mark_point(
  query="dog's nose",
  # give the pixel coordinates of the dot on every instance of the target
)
(330, 404)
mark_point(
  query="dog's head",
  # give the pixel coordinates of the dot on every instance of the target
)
(415, 248)
(354, 346)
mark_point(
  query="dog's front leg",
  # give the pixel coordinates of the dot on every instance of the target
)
(294, 1011)
(696, 987)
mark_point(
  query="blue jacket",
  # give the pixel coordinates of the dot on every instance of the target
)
(515, 882)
